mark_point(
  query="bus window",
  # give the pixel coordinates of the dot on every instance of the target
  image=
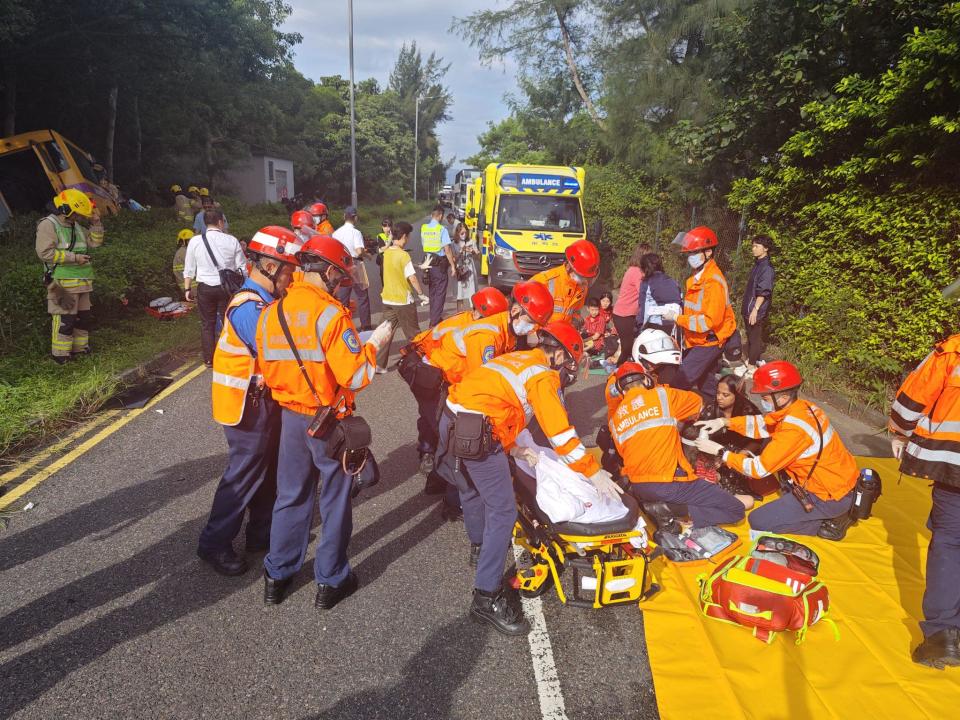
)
(85, 166)
(540, 212)
(53, 153)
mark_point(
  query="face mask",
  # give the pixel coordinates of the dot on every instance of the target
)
(316, 219)
(767, 406)
(522, 326)
(696, 261)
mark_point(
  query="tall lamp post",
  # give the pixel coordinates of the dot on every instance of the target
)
(416, 138)
(353, 119)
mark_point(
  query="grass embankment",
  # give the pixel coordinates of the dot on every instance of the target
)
(38, 397)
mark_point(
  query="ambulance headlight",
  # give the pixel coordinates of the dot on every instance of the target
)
(505, 253)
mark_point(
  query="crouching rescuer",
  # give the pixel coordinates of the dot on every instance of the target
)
(483, 415)
(313, 363)
(64, 239)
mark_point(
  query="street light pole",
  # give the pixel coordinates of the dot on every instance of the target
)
(353, 119)
(416, 138)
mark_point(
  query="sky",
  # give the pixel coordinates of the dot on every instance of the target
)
(380, 28)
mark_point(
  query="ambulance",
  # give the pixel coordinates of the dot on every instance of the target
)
(525, 216)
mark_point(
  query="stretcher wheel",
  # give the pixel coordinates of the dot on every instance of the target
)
(547, 585)
(531, 571)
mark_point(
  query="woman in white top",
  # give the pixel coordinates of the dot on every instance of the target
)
(465, 253)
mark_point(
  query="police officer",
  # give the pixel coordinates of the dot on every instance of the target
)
(313, 363)
(803, 443)
(925, 422)
(505, 392)
(568, 283)
(245, 408)
(435, 241)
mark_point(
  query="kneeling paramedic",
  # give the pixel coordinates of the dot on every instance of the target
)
(245, 408)
(822, 473)
(644, 427)
(925, 422)
(313, 362)
(484, 414)
(568, 283)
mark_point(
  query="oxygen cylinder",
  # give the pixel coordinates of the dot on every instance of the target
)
(865, 494)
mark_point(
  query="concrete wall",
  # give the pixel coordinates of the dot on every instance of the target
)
(251, 182)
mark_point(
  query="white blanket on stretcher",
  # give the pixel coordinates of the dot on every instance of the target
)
(565, 495)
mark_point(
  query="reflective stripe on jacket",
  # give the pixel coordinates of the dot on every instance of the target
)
(794, 443)
(927, 410)
(644, 429)
(708, 318)
(323, 332)
(233, 367)
(428, 341)
(469, 346)
(568, 296)
(512, 389)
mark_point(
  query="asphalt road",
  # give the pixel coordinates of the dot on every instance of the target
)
(106, 612)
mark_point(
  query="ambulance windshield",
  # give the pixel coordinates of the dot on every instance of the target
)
(540, 212)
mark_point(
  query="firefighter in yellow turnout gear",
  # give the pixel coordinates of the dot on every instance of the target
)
(64, 239)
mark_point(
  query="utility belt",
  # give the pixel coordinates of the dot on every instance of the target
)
(416, 373)
(472, 435)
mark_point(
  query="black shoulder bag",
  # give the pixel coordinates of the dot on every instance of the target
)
(230, 280)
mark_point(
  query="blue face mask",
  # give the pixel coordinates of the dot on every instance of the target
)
(522, 326)
(767, 406)
(696, 260)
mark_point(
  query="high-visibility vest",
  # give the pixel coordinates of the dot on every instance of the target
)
(927, 411)
(568, 296)
(233, 366)
(471, 345)
(798, 434)
(428, 341)
(707, 318)
(324, 335)
(513, 388)
(69, 275)
(431, 236)
(644, 428)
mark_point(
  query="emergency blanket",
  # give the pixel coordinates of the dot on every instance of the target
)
(565, 495)
(703, 668)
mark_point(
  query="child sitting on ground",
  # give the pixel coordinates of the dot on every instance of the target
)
(599, 338)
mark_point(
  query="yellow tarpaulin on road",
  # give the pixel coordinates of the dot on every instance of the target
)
(703, 668)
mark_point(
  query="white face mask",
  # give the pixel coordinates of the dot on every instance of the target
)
(696, 260)
(767, 406)
(316, 219)
(522, 326)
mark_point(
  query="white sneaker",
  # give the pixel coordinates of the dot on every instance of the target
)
(381, 371)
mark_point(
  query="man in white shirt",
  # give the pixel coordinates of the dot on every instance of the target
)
(199, 267)
(352, 239)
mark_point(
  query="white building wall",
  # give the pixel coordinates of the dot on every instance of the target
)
(251, 181)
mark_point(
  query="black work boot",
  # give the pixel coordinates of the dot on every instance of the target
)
(940, 650)
(474, 554)
(497, 610)
(329, 595)
(664, 515)
(226, 562)
(274, 591)
(435, 484)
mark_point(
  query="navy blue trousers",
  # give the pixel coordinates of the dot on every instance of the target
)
(698, 371)
(941, 599)
(363, 301)
(707, 503)
(428, 409)
(786, 515)
(250, 480)
(489, 506)
(439, 279)
(303, 465)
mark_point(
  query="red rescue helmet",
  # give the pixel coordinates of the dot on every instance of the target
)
(584, 258)
(631, 373)
(276, 243)
(565, 335)
(535, 300)
(323, 249)
(700, 238)
(489, 301)
(774, 377)
(301, 218)
(317, 209)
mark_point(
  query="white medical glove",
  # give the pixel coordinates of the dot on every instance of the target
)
(381, 334)
(712, 426)
(708, 446)
(897, 444)
(529, 456)
(603, 482)
(424, 300)
(668, 312)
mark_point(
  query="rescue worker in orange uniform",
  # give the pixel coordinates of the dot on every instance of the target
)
(303, 225)
(707, 320)
(803, 443)
(568, 283)
(312, 361)
(644, 426)
(925, 422)
(244, 406)
(502, 396)
(321, 222)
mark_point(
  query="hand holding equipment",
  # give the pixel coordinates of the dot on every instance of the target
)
(897, 443)
(381, 335)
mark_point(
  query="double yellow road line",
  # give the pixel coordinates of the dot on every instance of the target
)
(185, 376)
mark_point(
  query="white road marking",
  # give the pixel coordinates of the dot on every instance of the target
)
(541, 652)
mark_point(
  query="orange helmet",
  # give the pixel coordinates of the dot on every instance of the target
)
(489, 301)
(277, 243)
(321, 250)
(776, 376)
(566, 336)
(317, 209)
(535, 300)
(700, 238)
(584, 258)
(301, 218)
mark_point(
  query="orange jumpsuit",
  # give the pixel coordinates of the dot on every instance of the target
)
(471, 345)
(568, 296)
(707, 319)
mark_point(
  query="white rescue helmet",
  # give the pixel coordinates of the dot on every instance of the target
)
(655, 347)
